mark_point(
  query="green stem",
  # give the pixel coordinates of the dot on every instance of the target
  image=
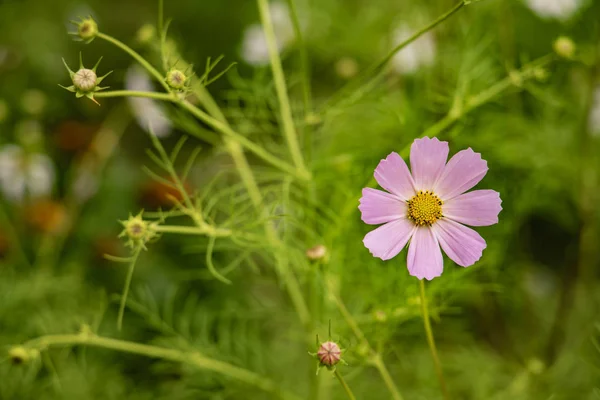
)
(356, 85)
(193, 230)
(376, 359)
(344, 385)
(304, 62)
(161, 12)
(214, 123)
(431, 341)
(195, 359)
(159, 77)
(134, 258)
(137, 93)
(259, 151)
(289, 129)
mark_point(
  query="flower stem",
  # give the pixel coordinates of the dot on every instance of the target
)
(431, 340)
(304, 62)
(344, 385)
(289, 129)
(147, 66)
(214, 123)
(192, 358)
(132, 263)
(194, 230)
(357, 85)
(376, 360)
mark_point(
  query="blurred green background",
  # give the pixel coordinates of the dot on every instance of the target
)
(522, 323)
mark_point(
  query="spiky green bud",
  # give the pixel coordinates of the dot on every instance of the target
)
(176, 79)
(137, 231)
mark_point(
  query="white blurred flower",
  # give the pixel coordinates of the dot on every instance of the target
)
(24, 174)
(254, 43)
(594, 119)
(559, 9)
(420, 53)
(148, 113)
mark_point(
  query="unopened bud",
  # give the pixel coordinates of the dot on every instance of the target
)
(85, 80)
(176, 79)
(137, 231)
(316, 253)
(87, 29)
(346, 67)
(564, 47)
(21, 355)
(329, 354)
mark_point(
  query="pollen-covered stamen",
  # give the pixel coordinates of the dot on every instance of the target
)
(85, 80)
(424, 208)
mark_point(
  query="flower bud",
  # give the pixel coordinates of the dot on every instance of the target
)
(21, 355)
(85, 80)
(316, 253)
(137, 231)
(564, 47)
(329, 354)
(176, 79)
(87, 29)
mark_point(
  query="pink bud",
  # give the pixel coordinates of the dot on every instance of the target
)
(329, 354)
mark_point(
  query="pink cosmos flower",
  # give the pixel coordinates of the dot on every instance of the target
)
(429, 207)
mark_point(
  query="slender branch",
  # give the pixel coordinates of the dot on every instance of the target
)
(259, 151)
(376, 359)
(357, 85)
(431, 341)
(147, 66)
(136, 93)
(195, 359)
(132, 263)
(214, 123)
(304, 62)
(193, 230)
(289, 129)
(344, 385)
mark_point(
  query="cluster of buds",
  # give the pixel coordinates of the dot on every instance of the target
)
(87, 29)
(137, 231)
(85, 81)
(329, 354)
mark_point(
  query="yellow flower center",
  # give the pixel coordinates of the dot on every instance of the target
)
(424, 208)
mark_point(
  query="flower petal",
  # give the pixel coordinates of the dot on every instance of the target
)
(393, 175)
(379, 207)
(476, 208)
(462, 172)
(424, 255)
(388, 240)
(463, 245)
(427, 160)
